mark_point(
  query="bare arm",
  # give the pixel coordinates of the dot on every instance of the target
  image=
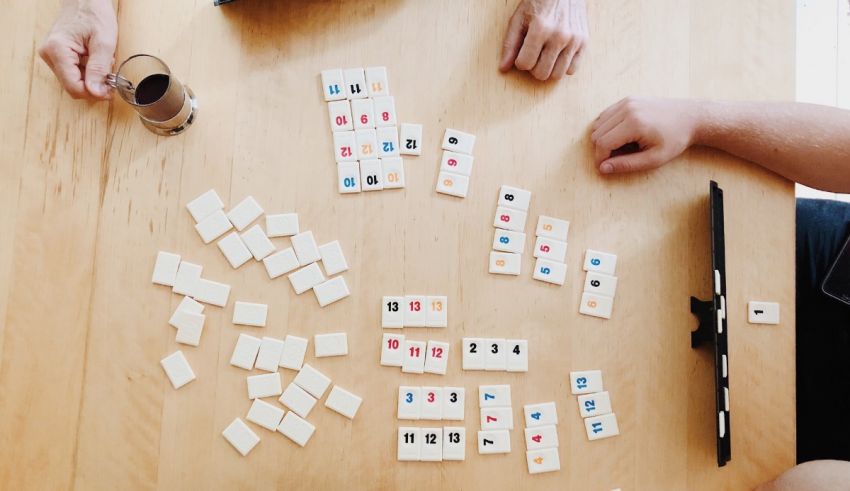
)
(805, 143)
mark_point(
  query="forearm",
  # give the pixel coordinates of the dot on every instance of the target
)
(806, 143)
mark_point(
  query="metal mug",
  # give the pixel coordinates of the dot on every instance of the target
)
(164, 104)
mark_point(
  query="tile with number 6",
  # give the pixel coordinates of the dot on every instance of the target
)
(363, 113)
(453, 184)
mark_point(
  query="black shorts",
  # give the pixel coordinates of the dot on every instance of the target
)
(823, 335)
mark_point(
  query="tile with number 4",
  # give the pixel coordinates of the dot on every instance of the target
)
(454, 403)
(517, 355)
(432, 403)
(371, 175)
(544, 460)
(595, 404)
(436, 357)
(410, 139)
(541, 437)
(415, 310)
(414, 357)
(542, 414)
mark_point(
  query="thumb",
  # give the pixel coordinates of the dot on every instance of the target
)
(647, 159)
(513, 42)
(101, 56)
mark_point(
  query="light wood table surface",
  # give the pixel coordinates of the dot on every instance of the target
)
(88, 196)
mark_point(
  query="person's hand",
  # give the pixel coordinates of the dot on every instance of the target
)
(546, 38)
(637, 134)
(80, 47)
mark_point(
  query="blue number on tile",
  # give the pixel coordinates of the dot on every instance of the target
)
(581, 383)
(487, 396)
(536, 415)
(504, 240)
(595, 261)
(545, 270)
(349, 182)
(388, 147)
(597, 427)
(409, 397)
(589, 405)
(333, 89)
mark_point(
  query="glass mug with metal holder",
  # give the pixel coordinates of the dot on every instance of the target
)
(164, 104)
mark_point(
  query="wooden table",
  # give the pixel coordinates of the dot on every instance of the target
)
(88, 196)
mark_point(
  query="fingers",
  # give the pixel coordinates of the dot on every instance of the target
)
(101, 55)
(545, 65)
(532, 46)
(646, 159)
(564, 60)
(574, 64)
(603, 127)
(513, 42)
(65, 63)
(607, 113)
(618, 136)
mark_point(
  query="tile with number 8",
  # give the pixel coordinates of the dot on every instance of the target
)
(516, 198)
(509, 219)
(385, 112)
(509, 241)
(505, 263)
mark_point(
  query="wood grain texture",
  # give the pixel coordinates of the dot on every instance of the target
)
(89, 196)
